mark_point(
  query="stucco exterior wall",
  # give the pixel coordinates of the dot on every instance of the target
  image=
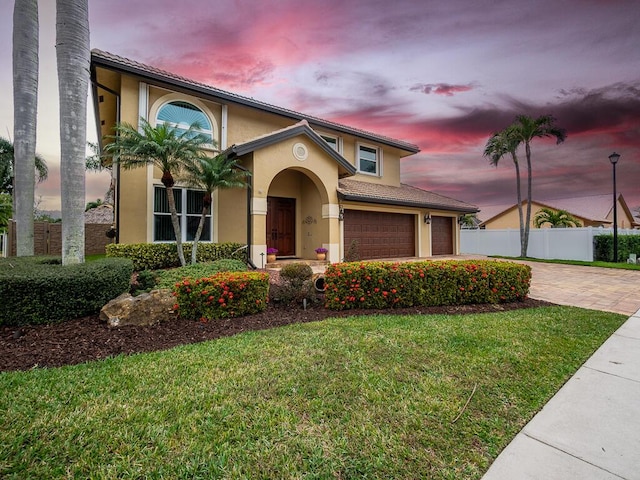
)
(134, 184)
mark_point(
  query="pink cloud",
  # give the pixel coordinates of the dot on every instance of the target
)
(444, 89)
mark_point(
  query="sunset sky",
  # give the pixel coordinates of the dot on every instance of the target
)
(441, 74)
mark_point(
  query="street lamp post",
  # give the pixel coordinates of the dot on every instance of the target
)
(613, 158)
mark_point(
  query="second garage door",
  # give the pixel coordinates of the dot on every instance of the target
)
(380, 235)
(441, 236)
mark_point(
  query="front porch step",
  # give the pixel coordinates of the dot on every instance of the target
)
(279, 263)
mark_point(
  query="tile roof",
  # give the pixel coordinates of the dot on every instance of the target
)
(109, 60)
(100, 214)
(405, 195)
(300, 128)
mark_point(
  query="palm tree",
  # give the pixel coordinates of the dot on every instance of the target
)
(7, 166)
(96, 163)
(210, 174)
(25, 107)
(73, 59)
(556, 218)
(525, 129)
(5, 211)
(96, 203)
(163, 146)
(500, 144)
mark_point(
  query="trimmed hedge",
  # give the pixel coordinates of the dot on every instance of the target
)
(168, 278)
(603, 247)
(37, 290)
(226, 294)
(155, 256)
(427, 283)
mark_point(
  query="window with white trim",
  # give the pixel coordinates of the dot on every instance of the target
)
(334, 142)
(189, 216)
(180, 115)
(369, 160)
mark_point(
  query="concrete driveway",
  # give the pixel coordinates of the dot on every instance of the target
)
(608, 289)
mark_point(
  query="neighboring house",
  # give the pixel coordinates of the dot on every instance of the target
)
(591, 211)
(314, 183)
(102, 214)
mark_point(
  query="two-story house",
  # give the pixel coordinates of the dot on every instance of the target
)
(314, 183)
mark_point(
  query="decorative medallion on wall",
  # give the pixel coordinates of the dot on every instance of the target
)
(300, 151)
(309, 220)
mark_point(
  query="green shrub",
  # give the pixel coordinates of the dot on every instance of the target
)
(168, 278)
(144, 282)
(155, 256)
(428, 283)
(36, 290)
(226, 294)
(603, 247)
(295, 284)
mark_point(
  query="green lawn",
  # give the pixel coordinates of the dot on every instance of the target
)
(365, 397)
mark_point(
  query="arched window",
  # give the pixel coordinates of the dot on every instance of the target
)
(181, 115)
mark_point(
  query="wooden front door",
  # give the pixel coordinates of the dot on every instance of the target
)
(281, 221)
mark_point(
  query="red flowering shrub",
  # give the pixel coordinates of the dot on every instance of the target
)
(225, 294)
(427, 283)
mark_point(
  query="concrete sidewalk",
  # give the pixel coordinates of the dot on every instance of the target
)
(591, 428)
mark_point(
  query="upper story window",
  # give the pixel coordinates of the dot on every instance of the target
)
(369, 160)
(181, 115)
(334, 142)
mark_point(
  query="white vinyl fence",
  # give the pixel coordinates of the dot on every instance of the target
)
(545, 243)
(4, 245)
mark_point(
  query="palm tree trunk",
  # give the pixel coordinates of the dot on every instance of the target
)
(72, 53)
(196, 239)
(176, 225)
(519, 194)
(25, 107)
(525, 241)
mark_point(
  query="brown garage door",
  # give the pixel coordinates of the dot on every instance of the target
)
(380, 235)
(441, 236)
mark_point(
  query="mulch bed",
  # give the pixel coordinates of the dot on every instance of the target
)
(85, 339)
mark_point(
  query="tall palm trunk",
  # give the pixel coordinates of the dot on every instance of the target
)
(206, 204)
(519, 194)
(525, 240)
(176, 224)
(72, 53)
(25, 106)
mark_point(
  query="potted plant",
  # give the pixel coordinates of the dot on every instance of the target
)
(271, 254)
(321, 253)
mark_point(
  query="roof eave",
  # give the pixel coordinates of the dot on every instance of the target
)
(401, 203)
(267, 140)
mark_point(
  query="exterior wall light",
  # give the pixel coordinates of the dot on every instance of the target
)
(341, 213)
(427, 218)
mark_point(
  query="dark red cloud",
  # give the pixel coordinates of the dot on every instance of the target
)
(445, 89)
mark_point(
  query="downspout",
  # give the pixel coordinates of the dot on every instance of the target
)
(97, 85)
(232, 155)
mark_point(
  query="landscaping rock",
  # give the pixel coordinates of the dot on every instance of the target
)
(146, 309)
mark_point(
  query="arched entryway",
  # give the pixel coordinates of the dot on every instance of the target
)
(296, 224)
